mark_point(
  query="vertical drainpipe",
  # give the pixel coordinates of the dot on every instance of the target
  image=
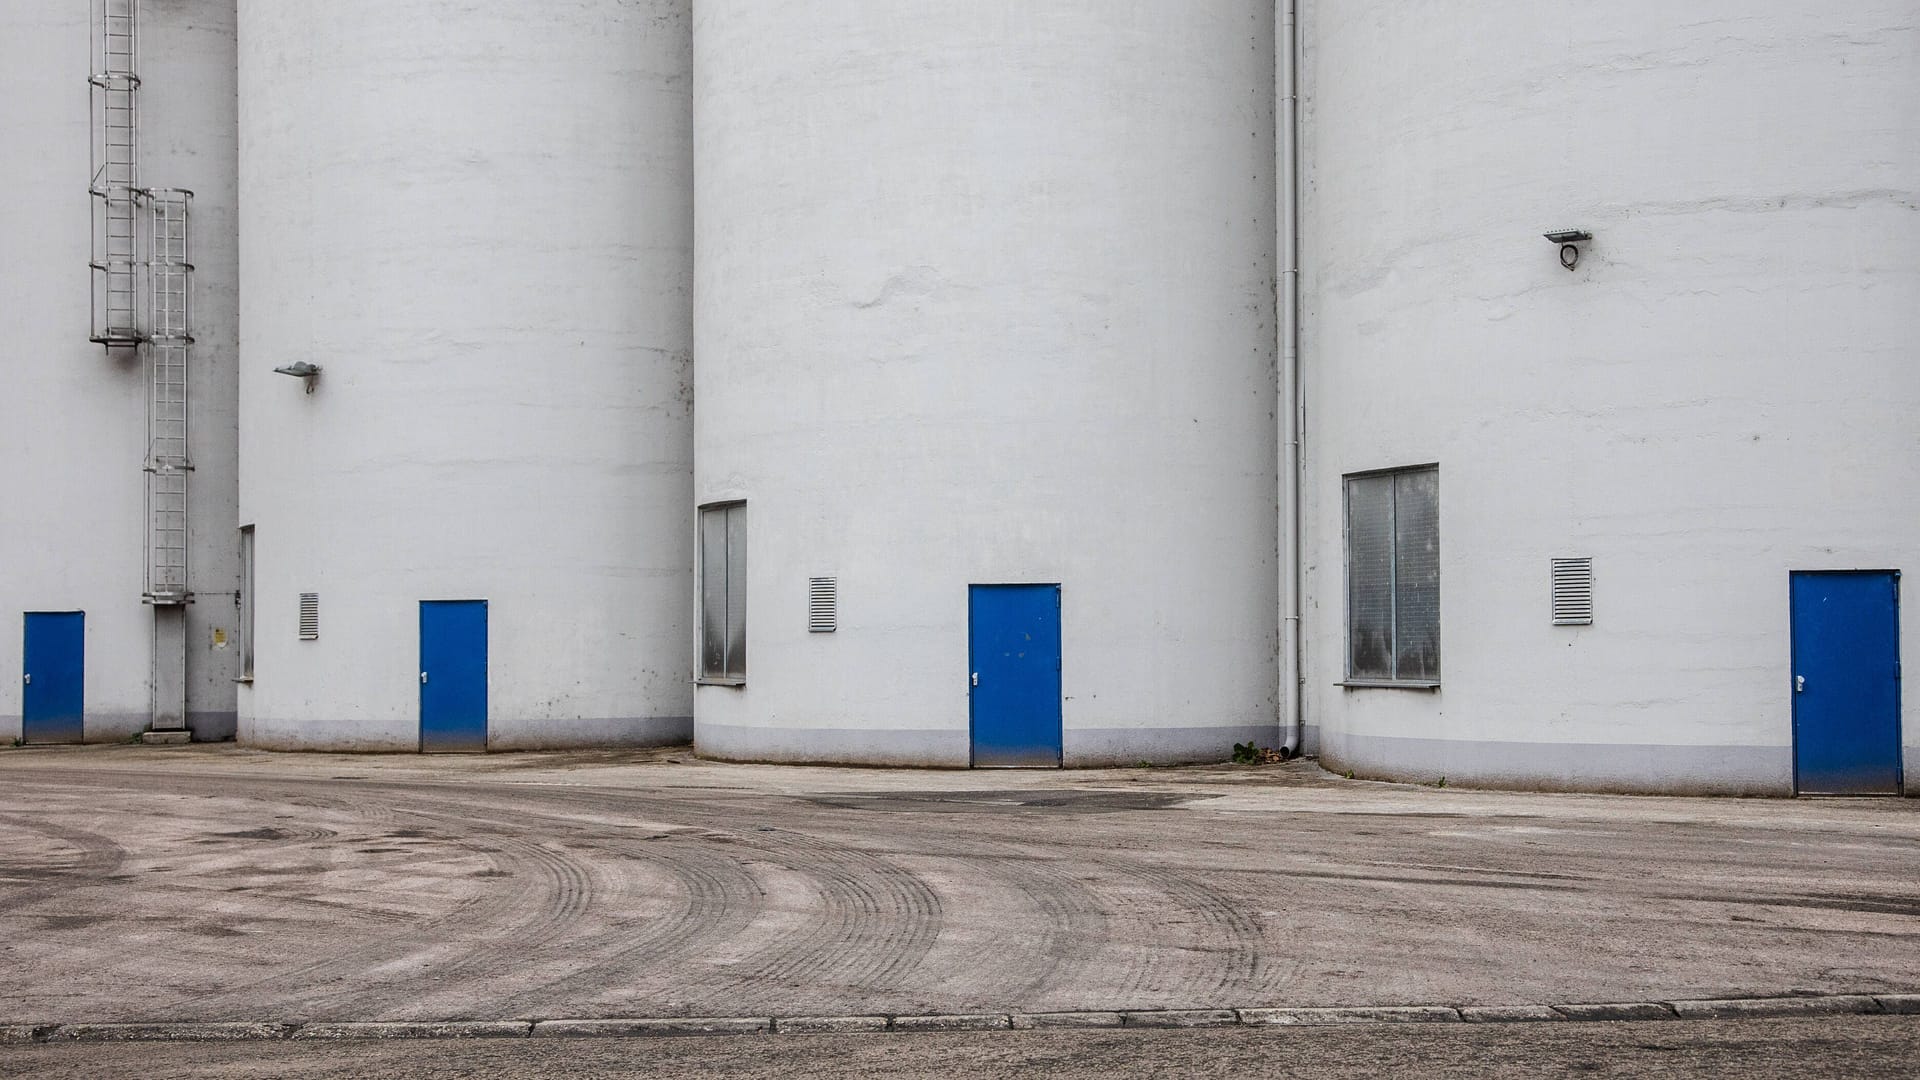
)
(1292, 409)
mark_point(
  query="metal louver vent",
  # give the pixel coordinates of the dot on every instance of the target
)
(1573, 592)
(823, 604)
(309, 616)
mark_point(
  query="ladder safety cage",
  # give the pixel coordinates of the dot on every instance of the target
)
(142, 266)
(114, 85)
(169, 349)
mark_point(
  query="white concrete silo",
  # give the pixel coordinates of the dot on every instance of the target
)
(475, 218)
(985, 297)
(1721, 395)
(75, 416)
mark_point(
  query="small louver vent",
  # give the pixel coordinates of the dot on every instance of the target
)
(309, 616)
(823, 603)
(1572, 592)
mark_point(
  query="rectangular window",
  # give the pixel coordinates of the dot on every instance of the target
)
(1393, 577)
(246, 602)
(723, 593)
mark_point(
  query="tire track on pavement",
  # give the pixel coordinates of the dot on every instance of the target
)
(876, 922)
(343, 967)
(98, 857)
(711, 910)
(1232, 937)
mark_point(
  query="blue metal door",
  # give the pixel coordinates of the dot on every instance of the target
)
(1014, 638)
(1846, 683)
(53, 691)
(453, 675)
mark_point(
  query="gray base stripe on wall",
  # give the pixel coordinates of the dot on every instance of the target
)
(213, 726)
(1635, 768)
(1095, 747)
(590, 733)
(1083, 747)
(832, 746)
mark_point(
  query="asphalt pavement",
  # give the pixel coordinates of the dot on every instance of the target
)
(213, 884)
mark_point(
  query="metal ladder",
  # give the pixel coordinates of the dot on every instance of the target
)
(141, 231)
(169, 349)
(115, 91)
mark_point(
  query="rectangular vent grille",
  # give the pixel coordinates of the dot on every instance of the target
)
(309, 616)
(1573, 592)
(823, 605)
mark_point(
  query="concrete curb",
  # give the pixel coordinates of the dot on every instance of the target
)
(1619, 1010)
(22, 1033)
(1038, 1021)
(827, 1025)
(1398, 1014)
(1163, 1019)
(952, 1023)
(1508, 1014)
(165, 1032)
(601, 1029)
(1181, 1018)
(460, 1029)
(1838, 1005)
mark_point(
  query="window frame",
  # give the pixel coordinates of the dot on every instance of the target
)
(248, 608)
(1352, 681)
(724, 510)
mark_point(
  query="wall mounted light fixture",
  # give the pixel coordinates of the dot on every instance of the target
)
(300, 369)
(1570, 241)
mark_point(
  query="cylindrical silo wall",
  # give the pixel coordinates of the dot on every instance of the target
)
(985, 296)
(73, 419)
(74, 415)
(1721, 394)
(475, 217)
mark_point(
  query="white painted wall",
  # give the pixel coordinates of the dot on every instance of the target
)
(1724, 391)
(984, 295)
(73, 422)
(476, 217)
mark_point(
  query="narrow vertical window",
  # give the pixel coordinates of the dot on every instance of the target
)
(246, 602)
(723, 593)
(1393, 577)
(1370, 577)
